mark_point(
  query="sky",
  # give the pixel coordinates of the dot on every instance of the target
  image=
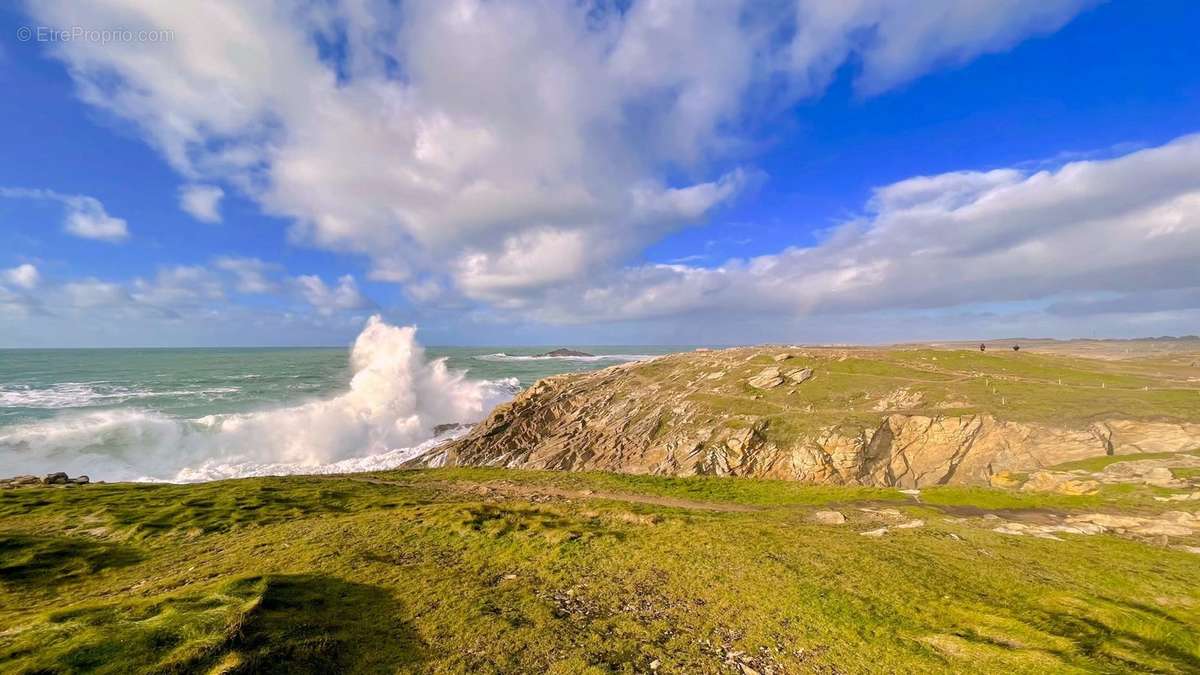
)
(607, 172)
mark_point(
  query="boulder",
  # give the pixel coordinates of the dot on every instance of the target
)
(769, 378)
(57, 478)
(80, 480)
(828, 518)
(1062, 483)
(799, 376)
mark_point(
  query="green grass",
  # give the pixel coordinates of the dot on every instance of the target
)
(312, 574)
(1100, 463)
(1059, 391)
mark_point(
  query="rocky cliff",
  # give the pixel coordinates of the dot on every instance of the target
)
(906, 418)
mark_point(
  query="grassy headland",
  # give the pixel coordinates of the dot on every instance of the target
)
(487, 570)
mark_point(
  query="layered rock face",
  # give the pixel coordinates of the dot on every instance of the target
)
(708, 413)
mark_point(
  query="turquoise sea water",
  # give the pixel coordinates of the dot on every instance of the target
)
(194, 414)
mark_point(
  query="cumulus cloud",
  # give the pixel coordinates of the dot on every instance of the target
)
(24, 276)
(252, 275)
(84, 216)
(91, 293)
(20, 300)
(1127, 226)
(199, 294)
(202, 202)
(505, 149)
(327, 300)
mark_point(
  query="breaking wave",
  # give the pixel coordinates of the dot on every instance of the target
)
(395, 400)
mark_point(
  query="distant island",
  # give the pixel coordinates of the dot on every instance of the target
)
(565, 353)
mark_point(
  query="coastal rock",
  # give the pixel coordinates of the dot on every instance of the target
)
(56, 478)
(564, 353)
(799, 376)
(769, 378)
(901, 399)
(687, 414)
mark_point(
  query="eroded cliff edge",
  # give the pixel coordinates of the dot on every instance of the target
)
(907, 418)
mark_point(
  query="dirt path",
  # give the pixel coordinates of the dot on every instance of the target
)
(533, 491)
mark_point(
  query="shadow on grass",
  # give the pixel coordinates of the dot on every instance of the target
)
(318, 624)
(1100, 644)
(270, 624)
(32, 561)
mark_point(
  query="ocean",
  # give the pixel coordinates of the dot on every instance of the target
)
(186, 415)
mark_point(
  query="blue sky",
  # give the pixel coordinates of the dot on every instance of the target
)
(518, 172)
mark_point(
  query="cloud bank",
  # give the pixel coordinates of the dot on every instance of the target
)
(511, 154)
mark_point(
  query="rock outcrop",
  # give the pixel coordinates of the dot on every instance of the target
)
(57, 478)
(740, 413)
(563, 353)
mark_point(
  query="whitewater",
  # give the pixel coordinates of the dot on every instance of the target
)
(197, 415)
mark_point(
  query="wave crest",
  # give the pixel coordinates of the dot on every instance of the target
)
(395, 399)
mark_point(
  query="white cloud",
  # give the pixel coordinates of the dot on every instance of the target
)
(519, 146)
(183, 293)
(1128, 226)
(85, 216)
(898, 41)
(92, 293)
(24, 276)
(202, 202)
(252, 274)
(176, 287)
(326, 300)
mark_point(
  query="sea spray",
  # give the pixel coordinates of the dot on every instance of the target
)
(395, 399)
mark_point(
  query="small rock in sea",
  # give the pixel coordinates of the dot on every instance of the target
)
(560, 353)
(828, 518)
(440, 429)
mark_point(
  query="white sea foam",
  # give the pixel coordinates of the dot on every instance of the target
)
(395, 399)
(89, 394)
